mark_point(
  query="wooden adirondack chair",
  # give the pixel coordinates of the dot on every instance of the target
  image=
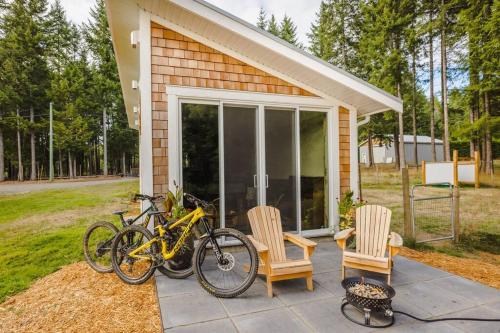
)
(269, 240)
(372, 234)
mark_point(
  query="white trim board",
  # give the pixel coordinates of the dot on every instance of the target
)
(146, 132)
(177, 95)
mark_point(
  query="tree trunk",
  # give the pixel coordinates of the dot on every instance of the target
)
(32, 142)
(20, 172)
(105, 142)
(487, 137)
(370, 149)
(70, 165)
(74, 168)
(444, 84)
(124, 167)
(60, 164)
(414, 109)
(402, 159)
(396, 146)
(431, 88)
(2, 158)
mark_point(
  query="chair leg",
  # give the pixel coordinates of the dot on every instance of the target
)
(269, 287)
(389, 279)
(309, 281)
(343, 272)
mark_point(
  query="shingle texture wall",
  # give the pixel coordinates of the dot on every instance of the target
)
(344, 150)
(179, 60)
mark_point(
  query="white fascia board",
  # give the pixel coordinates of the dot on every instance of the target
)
(205, 10)
(146, 135)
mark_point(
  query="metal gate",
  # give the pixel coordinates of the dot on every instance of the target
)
(432, 212)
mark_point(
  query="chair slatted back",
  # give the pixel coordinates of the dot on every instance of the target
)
(372, 229)
(265, 222)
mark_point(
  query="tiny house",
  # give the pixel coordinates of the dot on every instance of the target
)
(235, 115)
(384, 153)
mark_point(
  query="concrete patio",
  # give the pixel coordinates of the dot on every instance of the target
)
(420, 290)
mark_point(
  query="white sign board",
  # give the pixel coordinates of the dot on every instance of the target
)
(440, 172)
(466, 173)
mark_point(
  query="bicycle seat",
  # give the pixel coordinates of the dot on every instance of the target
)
(120, 212)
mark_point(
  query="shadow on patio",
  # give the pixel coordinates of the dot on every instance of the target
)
(420, 290)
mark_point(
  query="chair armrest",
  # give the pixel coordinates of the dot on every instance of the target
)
(341, 237)
(344, 234)
(298, 240)
(395, 240)
(258, 245)
(395, 244)
(307, 245)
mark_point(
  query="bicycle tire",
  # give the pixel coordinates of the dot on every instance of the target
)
(116, 262)
(199, 257)
(86, 251)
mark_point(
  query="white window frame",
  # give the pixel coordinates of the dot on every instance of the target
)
(180, 94)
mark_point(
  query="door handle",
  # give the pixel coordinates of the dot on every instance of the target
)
(267, 181)
(255, 181)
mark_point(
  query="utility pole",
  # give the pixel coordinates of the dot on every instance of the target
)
(51, 144)
(20, 173)
(104, 139)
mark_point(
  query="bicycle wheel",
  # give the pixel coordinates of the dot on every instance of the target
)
(97, 243)
(237, 269)
(133, 270)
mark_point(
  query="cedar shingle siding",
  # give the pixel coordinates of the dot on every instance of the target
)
(179, 60)
(344, 150)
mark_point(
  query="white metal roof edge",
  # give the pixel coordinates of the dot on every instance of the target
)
(221, 17)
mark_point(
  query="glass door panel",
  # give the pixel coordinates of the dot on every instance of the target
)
(240, 166)
(281, 175)
(200, 153)
(313, 170)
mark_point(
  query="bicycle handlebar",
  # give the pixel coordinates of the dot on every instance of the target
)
(143, 197)
(196, 201)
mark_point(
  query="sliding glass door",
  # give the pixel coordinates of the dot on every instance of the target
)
(240, 165)
(313, 170)
(200, 153)
(247, 156)
(281, 160)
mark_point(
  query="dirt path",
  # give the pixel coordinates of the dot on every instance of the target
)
(77, 299)
(26, 187)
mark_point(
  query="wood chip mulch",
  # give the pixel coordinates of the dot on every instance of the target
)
(78, 299)
(484, 270)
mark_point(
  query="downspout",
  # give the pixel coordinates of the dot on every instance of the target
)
(361, 123)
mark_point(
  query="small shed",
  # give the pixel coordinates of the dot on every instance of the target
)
(236, 115)
(385, 153)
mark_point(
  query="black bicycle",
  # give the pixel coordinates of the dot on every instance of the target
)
(99, 237)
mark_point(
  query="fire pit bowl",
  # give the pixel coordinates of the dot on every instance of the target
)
(368, 296)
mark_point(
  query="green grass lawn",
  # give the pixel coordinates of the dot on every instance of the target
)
(479, 213)
(42, 231)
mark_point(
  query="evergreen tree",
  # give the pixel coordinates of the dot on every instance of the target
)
(335, 33)
(24, 42)
(288, 31)
(262, 19)
(272, 26)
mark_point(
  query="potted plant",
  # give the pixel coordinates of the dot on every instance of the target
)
(347, 214)
(175, 210)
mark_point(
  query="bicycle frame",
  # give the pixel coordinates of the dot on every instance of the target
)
(194, 217)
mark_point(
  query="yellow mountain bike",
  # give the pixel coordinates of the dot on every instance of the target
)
(224, 261)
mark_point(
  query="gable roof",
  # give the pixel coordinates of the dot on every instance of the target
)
(229, 34)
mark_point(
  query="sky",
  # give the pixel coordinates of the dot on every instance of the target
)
(302, 12)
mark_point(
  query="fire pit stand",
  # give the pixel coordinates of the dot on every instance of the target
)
(369, 297)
